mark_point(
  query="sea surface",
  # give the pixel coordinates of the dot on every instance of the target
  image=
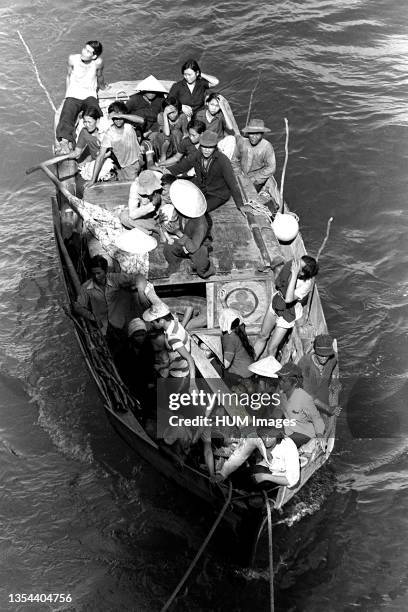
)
(79, 512)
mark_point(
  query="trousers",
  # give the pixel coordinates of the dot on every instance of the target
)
(174, 254)
(69, 113)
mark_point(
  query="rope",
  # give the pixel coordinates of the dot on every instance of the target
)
(251, 97)
(199, 553)
(269, 516)
(37, 74)
(319, 252)
(286, 160)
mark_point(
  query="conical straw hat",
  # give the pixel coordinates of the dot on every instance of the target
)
(135, 241)
(268, 366)
(187, 198)
(151, 84)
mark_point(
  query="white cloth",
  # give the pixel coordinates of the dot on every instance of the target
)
(226, 318)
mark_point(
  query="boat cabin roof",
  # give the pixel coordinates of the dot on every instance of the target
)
(233, 249)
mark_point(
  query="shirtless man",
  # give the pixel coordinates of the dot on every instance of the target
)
(84, 79)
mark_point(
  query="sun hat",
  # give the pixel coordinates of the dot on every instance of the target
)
(150, 83)
(323, 345)
(187, 198)
(290, 369)
(268, 366)
(226, 318)
(156, 311)
(255, 126)
(136, 325)
(208, 139)
(135, 241)
(148, 182)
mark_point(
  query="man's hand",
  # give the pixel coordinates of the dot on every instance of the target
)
(187, 110)
(295, 267)
(336, 410)
(147, 208)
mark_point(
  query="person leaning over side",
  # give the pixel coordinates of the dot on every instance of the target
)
(317, 370)
(213, 173)
(299, 406)
(254, 156)
(84, 78)
(121, 141)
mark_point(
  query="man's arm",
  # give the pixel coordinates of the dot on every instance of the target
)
(183, 166)
(70, 68)
(236, 157)
(191, 365)
(193, 244)
(99, 74)
(81, 306)
(239, 456)
(97, 167)
(128, 117)
(231, 181)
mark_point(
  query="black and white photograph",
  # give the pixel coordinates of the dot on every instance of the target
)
(204, 306)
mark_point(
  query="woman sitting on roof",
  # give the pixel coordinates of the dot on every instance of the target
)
(238, 352)
(191, 90)
(216, 120)
(293, 285)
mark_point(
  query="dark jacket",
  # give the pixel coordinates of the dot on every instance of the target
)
(194, 233)
(217, 180)
(138, 105)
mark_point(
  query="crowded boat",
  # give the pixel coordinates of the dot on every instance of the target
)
(183, 260)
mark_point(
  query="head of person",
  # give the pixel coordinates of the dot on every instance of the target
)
(323, 348)
(91, 50)
(137, 332)
(148, 181)
(290, 377)
(190, 71)
(159, 315)
(99, 267)
(90, 118)
(270, 436)
(208, 143)
(195, 128)
(309, 267)
(174, 106)
(167, 180)
(212, 103)
(120, 108)
(255, 131)
(149, 95)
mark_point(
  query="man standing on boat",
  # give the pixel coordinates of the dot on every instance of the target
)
(84, 78)
(101, 300)
(254, 156)
(213, 173)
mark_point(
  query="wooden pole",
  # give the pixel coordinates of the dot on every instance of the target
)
(286, 161)
(271, 587)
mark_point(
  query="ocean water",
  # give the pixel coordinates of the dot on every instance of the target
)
(79, 512)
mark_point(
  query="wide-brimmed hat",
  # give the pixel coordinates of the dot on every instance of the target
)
(136, 325)
(268, 366)
(135, 241)
(187, 198)
(323, 345)
(290, 369)
(150, 83)
(148, 181)
(226, 318)
(156, 311)
(255, 126)
(208, 139)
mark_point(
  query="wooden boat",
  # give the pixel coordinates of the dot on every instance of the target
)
(247, 256)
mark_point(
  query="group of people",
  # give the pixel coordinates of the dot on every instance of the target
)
(187, 133)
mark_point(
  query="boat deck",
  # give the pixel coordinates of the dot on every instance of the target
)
(233, 250)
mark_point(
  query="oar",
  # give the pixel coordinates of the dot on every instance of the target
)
(72, 200)
(49, 162)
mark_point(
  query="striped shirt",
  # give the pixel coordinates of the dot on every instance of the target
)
(177, 337)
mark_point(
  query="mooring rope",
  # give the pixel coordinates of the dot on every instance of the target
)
(37, 74)
(199, 553)
(269, 516)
